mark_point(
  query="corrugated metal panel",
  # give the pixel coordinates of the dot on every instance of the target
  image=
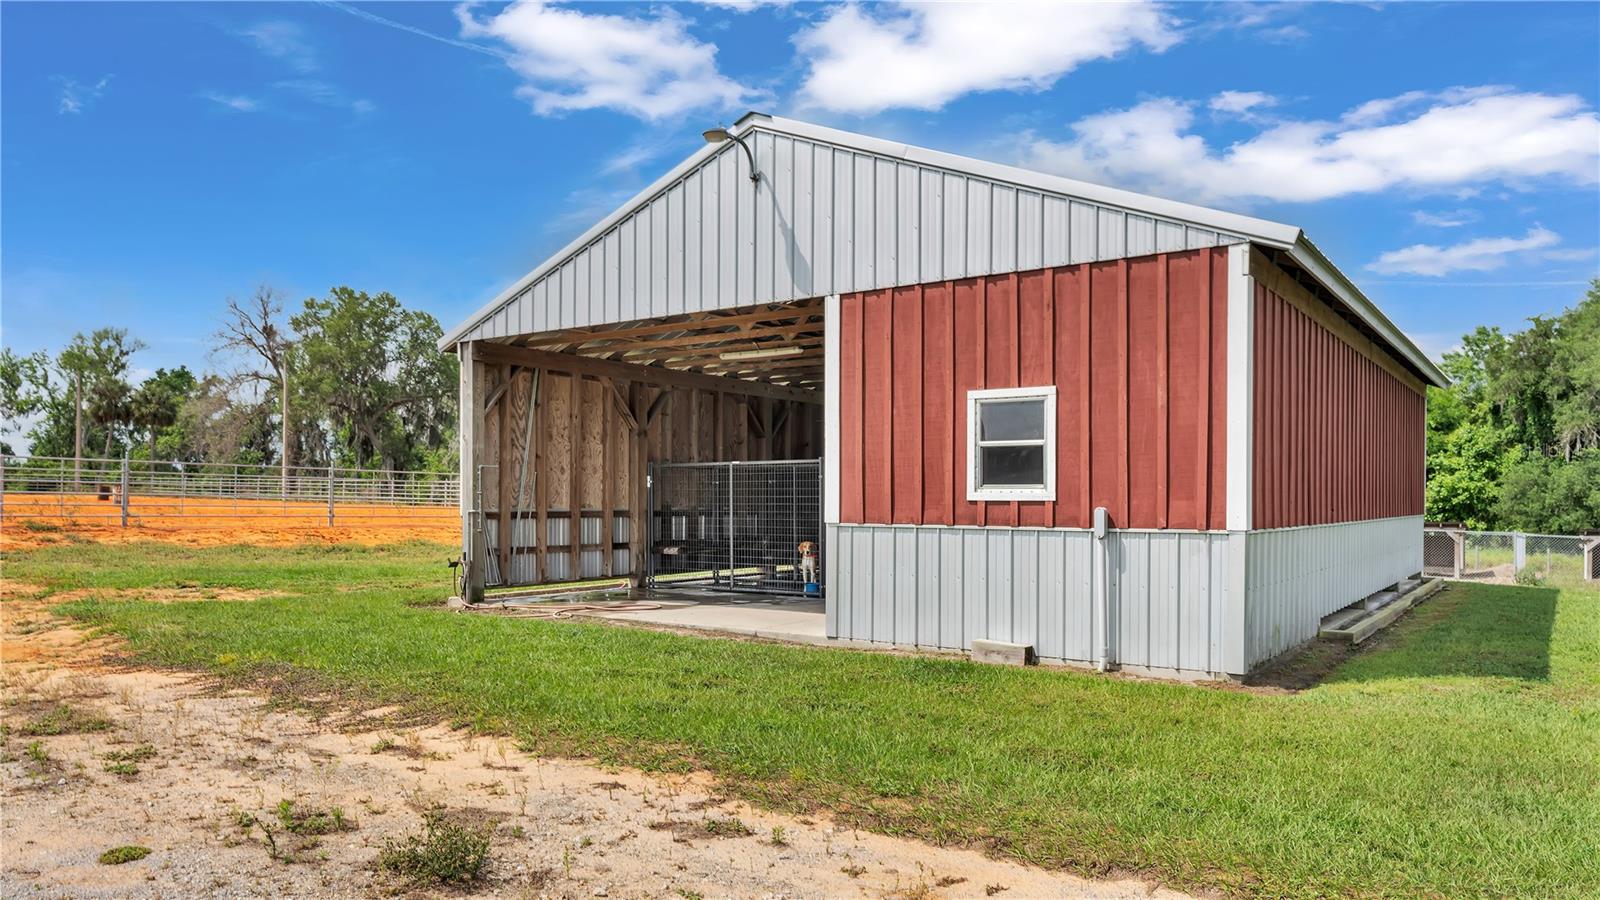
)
(823, 219)
(1153, 400)
(1295, 576)
(946, 587)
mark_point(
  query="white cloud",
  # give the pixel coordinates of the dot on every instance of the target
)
(235, 102)
(1240, 102)
(75, 97)
(633, 156)
(1478, 255)
(1447, 142)
(283, 40)
(572, 60)
(1454, 219)
(926, 55)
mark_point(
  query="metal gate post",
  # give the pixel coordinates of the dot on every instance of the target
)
(124, 491)
(1519, 552)
(330, 496)
(730, 523)
(649, 524)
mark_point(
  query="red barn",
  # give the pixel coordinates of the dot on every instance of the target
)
(982, 357)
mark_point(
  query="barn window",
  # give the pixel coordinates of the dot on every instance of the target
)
(1011, 444)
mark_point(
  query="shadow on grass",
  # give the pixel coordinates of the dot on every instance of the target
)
(1464, 631)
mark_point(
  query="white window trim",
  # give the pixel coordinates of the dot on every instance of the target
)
(1048, 491)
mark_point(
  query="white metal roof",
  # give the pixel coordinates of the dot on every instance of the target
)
(837, 212)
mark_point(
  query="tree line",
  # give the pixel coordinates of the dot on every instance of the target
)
(351, 379)
(1514, 442)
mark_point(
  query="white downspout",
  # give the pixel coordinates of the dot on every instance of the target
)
(1102, 532)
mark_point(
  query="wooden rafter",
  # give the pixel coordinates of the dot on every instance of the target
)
(592, 367)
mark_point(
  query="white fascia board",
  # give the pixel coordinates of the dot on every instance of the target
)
(1306, 255)
(1259, 231)
(1240, 386)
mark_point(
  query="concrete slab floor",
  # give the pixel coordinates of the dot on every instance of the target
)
(796, 620)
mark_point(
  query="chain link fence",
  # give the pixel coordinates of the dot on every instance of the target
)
(1512, 557)
(122, 493)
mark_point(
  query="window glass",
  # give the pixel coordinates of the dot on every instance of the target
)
(1011, 420)
(1012, 466)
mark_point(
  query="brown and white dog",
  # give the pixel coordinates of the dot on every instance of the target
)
(808, 560)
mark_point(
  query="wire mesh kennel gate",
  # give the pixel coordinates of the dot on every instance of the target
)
(740, 526)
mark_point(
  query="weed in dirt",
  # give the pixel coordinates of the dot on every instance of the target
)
(729, 827)
(116, 856)
(854, 871)
(126, 762)
(383, 745)
(779, 837)
(443, 852)
(949, 881)
(687, 894)
(310, 821)
(38, 755)
(992, 889)
(64, 719)
(32, 525)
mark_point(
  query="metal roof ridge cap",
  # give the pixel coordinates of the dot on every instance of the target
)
(1278, 234)
(689, 163)
(1311, 257)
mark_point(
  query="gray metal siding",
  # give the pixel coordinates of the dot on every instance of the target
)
(943, 588)
(1295, 576)
(824, 219)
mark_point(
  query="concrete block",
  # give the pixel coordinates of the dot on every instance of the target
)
(1002, 653)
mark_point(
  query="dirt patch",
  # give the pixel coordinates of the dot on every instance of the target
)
(41, 520)
(200, 776)
(164, 595)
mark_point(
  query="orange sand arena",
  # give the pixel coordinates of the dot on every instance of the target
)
(37, 520)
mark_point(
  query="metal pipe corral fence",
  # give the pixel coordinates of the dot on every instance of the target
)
(132, 492)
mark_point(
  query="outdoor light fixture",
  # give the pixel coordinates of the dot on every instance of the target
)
(719, 134)
(763, 353)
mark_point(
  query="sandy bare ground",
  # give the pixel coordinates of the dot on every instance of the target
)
(38, 520)
(219, 763)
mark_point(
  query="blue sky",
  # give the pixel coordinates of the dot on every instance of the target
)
(156, 159)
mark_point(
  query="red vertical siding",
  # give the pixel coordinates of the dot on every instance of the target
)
(877, 479)
(1337, 435)
(1036, 365)
(969, 320)
(906, 440)
(850, 408)
(938, 404)
(1136, 349)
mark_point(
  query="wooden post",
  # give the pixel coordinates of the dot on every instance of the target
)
(574, 482)
(608, 475)
(541, 483)
(503, 474)
(471, 428)
(639, 524)
(126, 483)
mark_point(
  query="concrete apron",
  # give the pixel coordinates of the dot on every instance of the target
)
(796, 620)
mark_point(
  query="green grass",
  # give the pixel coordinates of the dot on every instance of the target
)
(1460, 756)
